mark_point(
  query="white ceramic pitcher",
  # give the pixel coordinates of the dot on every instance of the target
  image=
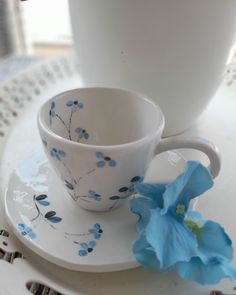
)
(174, 51)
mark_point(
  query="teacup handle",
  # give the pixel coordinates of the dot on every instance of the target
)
(197, 143)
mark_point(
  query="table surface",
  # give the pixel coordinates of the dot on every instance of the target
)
(218, 124)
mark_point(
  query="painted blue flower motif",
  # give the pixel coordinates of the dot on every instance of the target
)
(26, 231)
(52, 112)
(74, 105)
(69, 185)
(59, 154)
(93, 195)
(96, 231)
(104, 160)
(82, 133)
(171, 235)
(86, 248)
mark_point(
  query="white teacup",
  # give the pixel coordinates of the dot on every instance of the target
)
(100, 142)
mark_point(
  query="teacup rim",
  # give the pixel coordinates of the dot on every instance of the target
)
(152, 134)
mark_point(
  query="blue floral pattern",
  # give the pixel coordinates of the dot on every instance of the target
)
(50, 217)
(26, 231)
(74, 105)
(86, 248)
(59, 154)
(96, 231)
(104, 161)
(93, 195)
(82, 133)
(52, 112)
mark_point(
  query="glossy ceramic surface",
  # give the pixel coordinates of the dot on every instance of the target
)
(47, 222)
(101, 141)
(33, 273)
(173, 51)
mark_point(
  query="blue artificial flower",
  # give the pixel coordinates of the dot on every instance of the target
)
(173, 236)
(59, 154)
(104, 160)
(74, 105)
(86, 248)
(93, 195)
(52, 112)
(82, 133)
(26, 231)
(96, 231)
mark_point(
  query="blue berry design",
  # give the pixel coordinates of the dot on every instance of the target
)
(104, 161)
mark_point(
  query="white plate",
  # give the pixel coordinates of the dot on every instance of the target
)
(24, 93)
(47, 221)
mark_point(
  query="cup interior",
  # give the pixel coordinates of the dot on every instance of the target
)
(101, 116)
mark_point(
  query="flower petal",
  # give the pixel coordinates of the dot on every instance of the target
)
(213, 241)
(21, 226)
(61, 153)
(112, 163)
(78, 130)
(100, 164)
(144, 254)
(188, 185)
(212, 273)
(69, 103)
(141, 207)
(152, 191)
(83, 252)
(92, 244)
(195, 216)
(99, 155)
(171, 239)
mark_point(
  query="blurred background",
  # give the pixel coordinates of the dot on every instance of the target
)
(27, 28)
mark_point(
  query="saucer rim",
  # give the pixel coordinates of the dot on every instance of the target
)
(58, 260)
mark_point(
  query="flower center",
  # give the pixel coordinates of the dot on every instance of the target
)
(180, 209)
(194, 227)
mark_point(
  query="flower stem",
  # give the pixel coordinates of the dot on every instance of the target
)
(63, 122)
(69, 129)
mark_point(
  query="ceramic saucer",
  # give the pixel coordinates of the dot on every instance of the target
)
(47, 221)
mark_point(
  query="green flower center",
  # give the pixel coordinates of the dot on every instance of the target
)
(194, 227)
(180, 209)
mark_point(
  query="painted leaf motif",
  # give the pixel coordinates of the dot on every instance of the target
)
(114, 198)
(69, 185)
(123, 189)
(41, 197)
(54, 219)
(50, 214)
(43, 202)
(136, 179)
